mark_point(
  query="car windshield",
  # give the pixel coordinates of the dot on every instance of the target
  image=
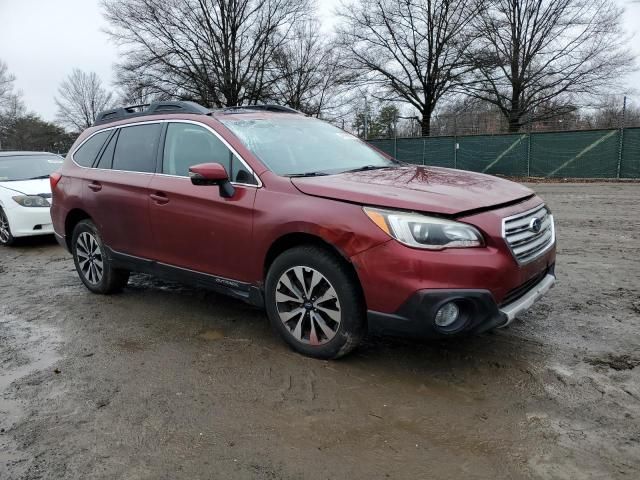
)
(291, 145)
(28, 167)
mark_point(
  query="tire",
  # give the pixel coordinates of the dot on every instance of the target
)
(92, 261)
(6, 238)
(324, 319)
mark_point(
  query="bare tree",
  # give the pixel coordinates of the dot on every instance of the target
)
(307, 71)
(11, 104)
(6, 83)
(133, 92)
(215, 52)
(540, 58)
(415, 51)
(613, 112)
(464, 115)
(80, 98)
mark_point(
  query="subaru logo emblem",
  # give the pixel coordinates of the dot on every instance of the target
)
(535, 225)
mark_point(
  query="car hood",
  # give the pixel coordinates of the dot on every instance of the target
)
(425, 189)
(29, 187)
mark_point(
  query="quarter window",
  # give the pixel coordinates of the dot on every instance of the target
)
(187, 145)
(86, 154)
(136, 148)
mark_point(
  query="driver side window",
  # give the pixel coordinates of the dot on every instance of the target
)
(187, 144)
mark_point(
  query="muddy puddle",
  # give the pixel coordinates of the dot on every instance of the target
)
(25, 350)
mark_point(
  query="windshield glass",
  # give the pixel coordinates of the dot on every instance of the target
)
(28, 167)
(291, 145)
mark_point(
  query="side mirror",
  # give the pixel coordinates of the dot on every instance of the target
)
(212, 174)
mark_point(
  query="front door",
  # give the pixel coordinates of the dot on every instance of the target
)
(193, 226)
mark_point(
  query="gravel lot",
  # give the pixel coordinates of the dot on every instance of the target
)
(168, 382)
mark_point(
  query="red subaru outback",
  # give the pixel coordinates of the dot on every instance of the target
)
(289, 213)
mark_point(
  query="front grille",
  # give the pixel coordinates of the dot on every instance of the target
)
(521, 290)
(525, 240)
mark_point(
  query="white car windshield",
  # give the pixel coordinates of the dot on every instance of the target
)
(291, 145)
(28, 167)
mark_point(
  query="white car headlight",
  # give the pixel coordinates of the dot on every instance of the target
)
(31, 201)
(422, 231)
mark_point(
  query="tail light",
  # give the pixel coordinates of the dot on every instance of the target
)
(54, 178)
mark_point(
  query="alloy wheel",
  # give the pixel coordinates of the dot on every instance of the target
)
(5, 232)
(308, 305)
(90, 258)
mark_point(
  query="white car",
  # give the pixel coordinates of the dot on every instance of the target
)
(25, 194)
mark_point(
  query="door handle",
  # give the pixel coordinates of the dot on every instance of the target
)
(95, 186)
(160, 198)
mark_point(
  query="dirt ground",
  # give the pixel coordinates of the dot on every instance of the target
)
(168, 382)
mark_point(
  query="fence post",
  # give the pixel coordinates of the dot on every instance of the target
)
(455, 151)
(529, 156)
(621, 137)
(395, 136)
(455, 142)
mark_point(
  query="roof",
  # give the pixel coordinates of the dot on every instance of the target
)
(8, 153)
(188, 108)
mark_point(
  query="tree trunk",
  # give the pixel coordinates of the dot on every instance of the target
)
(514, 112)
(425, 125)
(514, 122)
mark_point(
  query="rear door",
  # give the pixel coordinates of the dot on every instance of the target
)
(193, 226)
(117, 195)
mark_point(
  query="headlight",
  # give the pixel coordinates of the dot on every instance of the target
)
(421, 231)
(31, 201)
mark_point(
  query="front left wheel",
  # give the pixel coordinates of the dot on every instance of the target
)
(92, 263)
(315, 303)
(6, 238)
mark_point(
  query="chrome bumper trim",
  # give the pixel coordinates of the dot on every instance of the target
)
(524, 303)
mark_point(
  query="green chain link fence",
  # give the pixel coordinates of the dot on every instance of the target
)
(579, 154)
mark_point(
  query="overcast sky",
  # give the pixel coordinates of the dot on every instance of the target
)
(43, 40)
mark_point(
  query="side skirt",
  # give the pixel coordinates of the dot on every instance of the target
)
(233, 288)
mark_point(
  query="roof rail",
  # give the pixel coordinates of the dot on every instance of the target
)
(154, 108)
(265, 107)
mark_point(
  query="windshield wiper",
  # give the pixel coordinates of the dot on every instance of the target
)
(308, 174)
(367, 167)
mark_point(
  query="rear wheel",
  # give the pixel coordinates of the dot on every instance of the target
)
(6, 238)
(314, 302)
(92, 263)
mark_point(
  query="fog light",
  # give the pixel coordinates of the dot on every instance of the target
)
(447, 314)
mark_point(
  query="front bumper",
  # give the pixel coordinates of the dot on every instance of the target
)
(29, 221)
(478, 311)
(525, 302)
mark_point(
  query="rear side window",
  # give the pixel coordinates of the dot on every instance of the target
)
(136, 148)
(86, 154)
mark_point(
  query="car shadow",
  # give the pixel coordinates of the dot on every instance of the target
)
(36, 241)
(500, 348)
